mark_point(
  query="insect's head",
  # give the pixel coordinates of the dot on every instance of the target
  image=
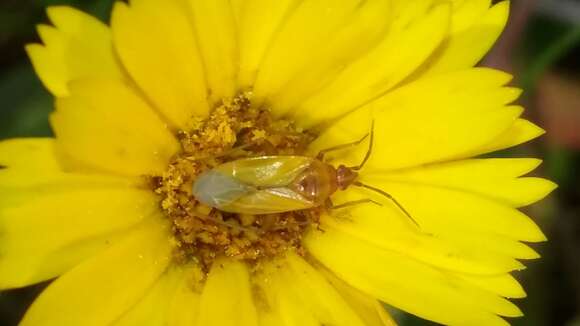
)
(345, 176)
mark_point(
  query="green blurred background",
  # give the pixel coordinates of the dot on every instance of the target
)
(541, 46)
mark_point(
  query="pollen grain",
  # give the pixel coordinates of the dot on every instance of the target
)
(234, 130)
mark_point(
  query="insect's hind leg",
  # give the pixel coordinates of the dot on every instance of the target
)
(390, 197)
(323, 152)
(330, 206)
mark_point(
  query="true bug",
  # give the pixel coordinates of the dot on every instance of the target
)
(277, 184)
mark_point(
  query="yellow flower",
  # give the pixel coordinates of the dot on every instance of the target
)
(175, 87)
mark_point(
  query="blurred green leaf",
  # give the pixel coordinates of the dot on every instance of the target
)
(561, 166)
(25, 105)
(554, 50)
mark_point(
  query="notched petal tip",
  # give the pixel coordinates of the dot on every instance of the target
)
(502, 9)
(72, 21)
(500, 77)
(539, 189)
(57, 13)
(47, 33)
(119, 8)
(525, 165)
(540, 236)
(522, 131)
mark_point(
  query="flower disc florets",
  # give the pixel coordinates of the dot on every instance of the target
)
(234, 130)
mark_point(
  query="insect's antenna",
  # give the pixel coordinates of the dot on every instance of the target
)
(321, 154)
(377, 190)
(368, 154)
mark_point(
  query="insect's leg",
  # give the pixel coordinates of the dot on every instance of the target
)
(226, 224)
(235, 149)
(279, 228)
(390, 197)
(328, 204)
(323, 152)
(369, 150)
(355, 202)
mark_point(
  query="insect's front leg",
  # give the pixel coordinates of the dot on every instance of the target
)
(355, 203)
(328, 204)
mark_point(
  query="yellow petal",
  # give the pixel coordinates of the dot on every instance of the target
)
(304, 295)
(465, 46)
(466, 12)
(31, 164)
(495, 168)
(304, 34)
(414, 34)
(157, 45)
(368, 308)
(493, 178)
(184, 306)
(438, 210)
(48, 227)
(101, 289)
(293, 313)
(430, 293)
(214, 25)
(270, 319)
(364, 29)
(432, 120)
(226, 299)
(483, 242)
(152, 309)
(106, 126)
(258, 22)
(237, 12)
(79, 46)
(385, 228)
(504, 285)
(520, 132)
(33, 154)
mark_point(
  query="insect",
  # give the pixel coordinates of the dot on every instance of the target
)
(277, 184)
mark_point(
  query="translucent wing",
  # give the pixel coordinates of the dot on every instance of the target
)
(266, 171)
(268, 201)
(216, 189)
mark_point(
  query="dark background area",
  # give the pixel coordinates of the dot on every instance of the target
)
(541, 47)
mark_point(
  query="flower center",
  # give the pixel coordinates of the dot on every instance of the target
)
(233, 131)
